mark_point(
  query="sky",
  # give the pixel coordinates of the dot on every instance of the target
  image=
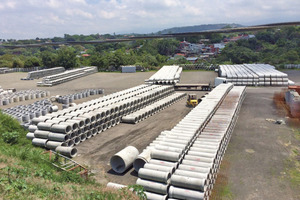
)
(28, 19)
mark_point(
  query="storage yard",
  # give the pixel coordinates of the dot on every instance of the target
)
(254, 142)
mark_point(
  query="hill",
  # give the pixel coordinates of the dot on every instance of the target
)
(198, 28)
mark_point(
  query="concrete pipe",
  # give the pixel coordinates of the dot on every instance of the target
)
(163, 163)
(67, 151)
(70, 143)
(154, 196)
(87, 121)
(82, 137)
(158, 167)
(77, 140)
(115, 185)
(74, 125)
(80, 123)
(193, 174)
(189, 182)
(122, 160)
(154, 175)
(199, 159)
(53, 144)
(197, 163)
(41, 134)
(94, 132)
(88, 134)
(165, 155)
(194, 168)
(180, 146)
(46, 126)
(39, 142)
(152, 186)
(32, 128)
(53, 109)
(142, 159)
(202, 154)
(130, 119)
(61, 128)
(30, 135)
(58, 137)
(182, 193)
(167, 148)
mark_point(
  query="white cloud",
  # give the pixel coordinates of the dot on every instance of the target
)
(49, 18)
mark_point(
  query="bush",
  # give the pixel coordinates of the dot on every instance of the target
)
(10, 137)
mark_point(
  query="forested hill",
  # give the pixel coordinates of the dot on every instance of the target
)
(197, 28)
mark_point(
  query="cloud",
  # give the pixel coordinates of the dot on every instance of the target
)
(49, 18)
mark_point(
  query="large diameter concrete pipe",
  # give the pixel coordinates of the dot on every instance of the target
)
(189, 182)
(124, 159)
(154, 175)
(152, 186)
(182, 193)
(142, 159)
(66, 151)
(165, 155)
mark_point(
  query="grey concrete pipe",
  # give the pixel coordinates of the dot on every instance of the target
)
(199, 159)
(41, 134)
(53, 144)
(165, 155)
(193, 174)
(152, 186)
(158, 167)
(39, 142)
(154, 196)
(142, 159)
(154, 175)
(30, 135)
(182, 193)
(61, 128)
(58, 137)
(197, 163)
(124, 159)
(67, 151)
(189, 182)
(193, 168)
(45, 125)
(163, 163)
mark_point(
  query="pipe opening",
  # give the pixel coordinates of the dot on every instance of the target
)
(117, 164)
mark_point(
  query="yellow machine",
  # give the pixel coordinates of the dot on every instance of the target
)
(192, 100)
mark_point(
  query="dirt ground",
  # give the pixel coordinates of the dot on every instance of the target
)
(254, 166)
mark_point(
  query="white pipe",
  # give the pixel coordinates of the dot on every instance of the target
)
(189, 182)
(122, 160)
(152, 186)
(142, 159)
(67, 151)
(154, 175)
(182, 193)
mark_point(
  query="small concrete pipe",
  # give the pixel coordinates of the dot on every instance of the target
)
(197, 163)
(152, 186)
(189, 182)
(41, 134)
(115, 185)
(45, 126)
(194, 168)
(158, 167)
(58, 137)
(61, 128)
(30, 135)
(199, 159)
(163, 163)
(154, 196)
(67, 151)
(124, 159)
(193, 174)
(142, 159)
(53, 144)
(39, 142)
(165, 155)
(182, 193)
(154, 175)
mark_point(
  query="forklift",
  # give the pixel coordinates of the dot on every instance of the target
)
(192, 100)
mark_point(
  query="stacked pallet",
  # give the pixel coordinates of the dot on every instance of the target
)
(67, 76)
(166, 75)
(253, 75)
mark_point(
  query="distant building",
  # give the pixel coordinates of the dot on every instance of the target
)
(192, 59)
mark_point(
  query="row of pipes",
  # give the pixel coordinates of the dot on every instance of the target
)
(73, 125)
(66, 76)
(45, 72)
(25, 113)
(150, 110)
(182, 163)
(66, 99)
(23, 95)
(167, 75)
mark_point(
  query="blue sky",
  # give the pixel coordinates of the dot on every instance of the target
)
(25, 19)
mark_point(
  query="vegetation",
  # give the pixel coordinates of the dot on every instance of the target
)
(26, 173)
(276, 47)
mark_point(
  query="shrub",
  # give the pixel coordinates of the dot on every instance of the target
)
(10, 137)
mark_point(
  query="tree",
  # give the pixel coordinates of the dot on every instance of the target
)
(66, 57)
(32, 62)
(49, 59)
(17, 63)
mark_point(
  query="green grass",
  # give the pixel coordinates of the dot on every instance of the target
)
(26, 173)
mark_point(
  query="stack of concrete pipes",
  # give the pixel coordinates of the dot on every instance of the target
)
(45, 72)
(156, 164)
(25, 113)
(67, 99)
(150, 110)
(23, 95)
(67, 76)
(76, 124)
(166, 75)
